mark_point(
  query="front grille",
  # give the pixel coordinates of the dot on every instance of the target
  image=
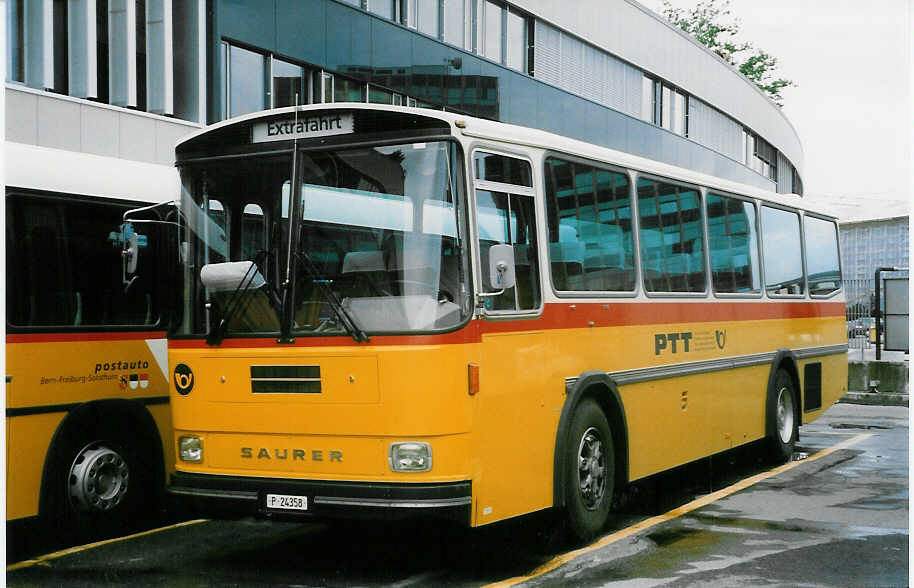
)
(285, 379)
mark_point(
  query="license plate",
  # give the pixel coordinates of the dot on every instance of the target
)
(287, 502)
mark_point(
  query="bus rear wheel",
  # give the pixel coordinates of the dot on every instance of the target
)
(590, 471)
(782, 412)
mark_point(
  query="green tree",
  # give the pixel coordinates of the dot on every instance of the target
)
(710, 23)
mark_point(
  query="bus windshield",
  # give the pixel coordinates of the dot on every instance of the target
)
(375, 245)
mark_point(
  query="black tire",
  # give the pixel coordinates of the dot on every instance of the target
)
(782, 414)
(99, 482)
(589, 471)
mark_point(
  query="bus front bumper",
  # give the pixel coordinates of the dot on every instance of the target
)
(238, 496)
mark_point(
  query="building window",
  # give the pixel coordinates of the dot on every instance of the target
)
(422, 15)
(458, 20)
(348, 90)
(647, 99)
(378, 95)
(516, 41)
(288, 84)
(383, 8)
(492, 31)
(243, 75)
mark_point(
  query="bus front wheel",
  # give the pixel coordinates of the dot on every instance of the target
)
(95, 483)
(590, 471)
(783, 414)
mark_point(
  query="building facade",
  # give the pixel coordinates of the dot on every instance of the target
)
(126, 79)
(870, 244)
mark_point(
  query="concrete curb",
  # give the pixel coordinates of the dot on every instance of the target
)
(875, 399)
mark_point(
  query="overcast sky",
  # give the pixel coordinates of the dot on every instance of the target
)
(852, 104)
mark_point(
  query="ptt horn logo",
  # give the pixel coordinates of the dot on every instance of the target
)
(184, 379)
(721, 337)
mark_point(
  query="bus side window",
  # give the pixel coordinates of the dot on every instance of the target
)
(510, 218)
(781, 252)
(672, 246)
(822, 267)
(733, 245)
(591, 247)
(68, 268)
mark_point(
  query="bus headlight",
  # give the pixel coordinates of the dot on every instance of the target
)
(412, 456)
(190, 448)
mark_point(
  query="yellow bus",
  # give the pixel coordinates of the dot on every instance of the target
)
(392, 311)
(87, 417)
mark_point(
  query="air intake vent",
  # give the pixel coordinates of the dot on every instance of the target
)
(285, 379)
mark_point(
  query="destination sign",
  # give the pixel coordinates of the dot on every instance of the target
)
(306, 127)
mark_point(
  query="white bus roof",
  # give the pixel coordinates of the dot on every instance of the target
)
(70, 172)
(483, 129)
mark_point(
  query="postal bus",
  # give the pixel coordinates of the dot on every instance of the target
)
(87, 417)
(390, 311)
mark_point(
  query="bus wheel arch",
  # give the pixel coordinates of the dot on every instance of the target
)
(103, 470)
(598, 389)
(783, 391)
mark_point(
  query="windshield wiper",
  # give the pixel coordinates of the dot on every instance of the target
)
(345, 317)
(217, 331)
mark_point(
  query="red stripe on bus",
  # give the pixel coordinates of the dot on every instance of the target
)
(561, 315)
(572, 315)
(82, 337)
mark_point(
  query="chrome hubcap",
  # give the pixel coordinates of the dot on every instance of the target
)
(785, 415)
(591, 469)
(98, 479)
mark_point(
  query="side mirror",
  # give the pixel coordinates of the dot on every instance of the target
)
(501, 266)
(131, 253)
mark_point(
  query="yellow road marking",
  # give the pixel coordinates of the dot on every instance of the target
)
(77, 549)
(561, 560)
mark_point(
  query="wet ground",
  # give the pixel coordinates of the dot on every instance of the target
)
(837, 520)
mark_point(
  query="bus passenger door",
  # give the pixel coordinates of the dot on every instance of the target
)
(513, 425)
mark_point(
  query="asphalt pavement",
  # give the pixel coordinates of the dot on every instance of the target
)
(838, 516)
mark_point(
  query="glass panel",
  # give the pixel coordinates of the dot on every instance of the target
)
(223, 107)
(64, 258)
(246, 78)
(253, 231)
(379, 95)
(380, 225)
(288, 84)
(217, 202)
(327, 87)
(672, 247)
(410, 18)
(427, 13)
(516, 41)
(666, 108)
(499, 168)
(822, 267)
(508, 218)
(647, 99)
(383, 8)
(781, 248)
(733, 245)
(678, 113)
(493, 31)
(346, 90)
(454, 22)
(589, 217)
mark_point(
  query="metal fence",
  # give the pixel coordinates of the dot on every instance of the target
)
(859, 312)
